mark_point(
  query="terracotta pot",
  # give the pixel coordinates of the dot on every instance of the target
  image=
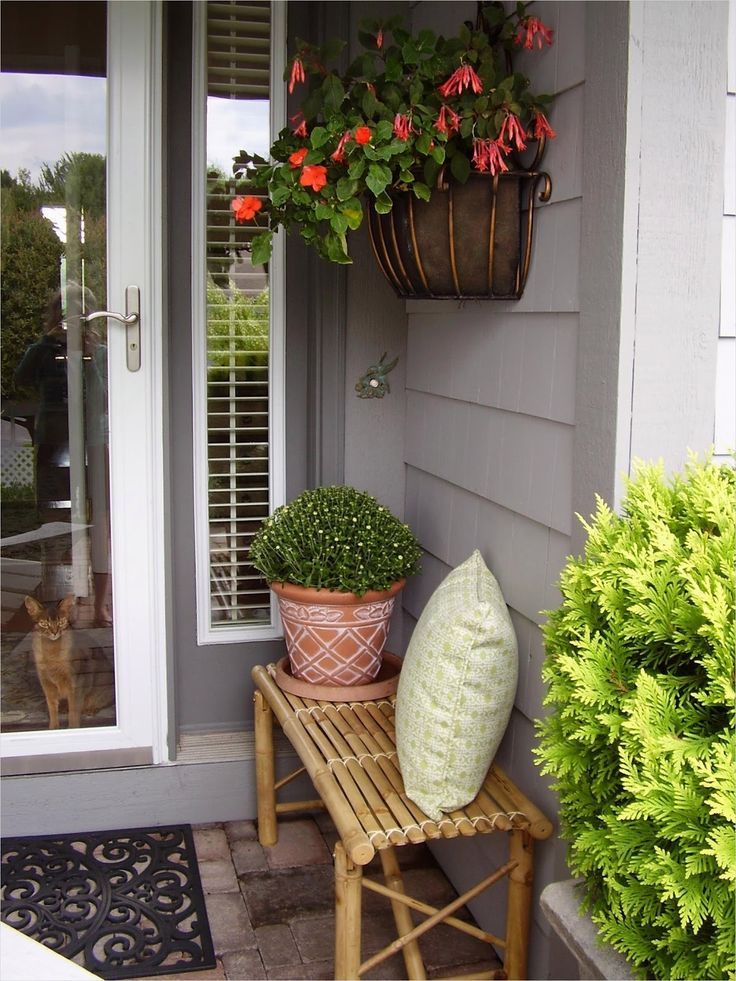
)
(335, 638)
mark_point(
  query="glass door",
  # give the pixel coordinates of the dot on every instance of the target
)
(79, 413)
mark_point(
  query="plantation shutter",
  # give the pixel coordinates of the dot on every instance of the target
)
(238, 445)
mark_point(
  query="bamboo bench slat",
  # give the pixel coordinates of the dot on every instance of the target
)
(348, 749)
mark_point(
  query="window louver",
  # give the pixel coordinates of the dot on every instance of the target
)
(238, 448)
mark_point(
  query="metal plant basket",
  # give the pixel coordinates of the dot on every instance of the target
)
(469, 241)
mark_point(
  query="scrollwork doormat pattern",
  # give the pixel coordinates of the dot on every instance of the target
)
(123, 904)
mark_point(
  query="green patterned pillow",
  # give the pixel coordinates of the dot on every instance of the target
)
(456, 689)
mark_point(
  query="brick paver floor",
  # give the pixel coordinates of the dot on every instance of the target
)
(271, 910)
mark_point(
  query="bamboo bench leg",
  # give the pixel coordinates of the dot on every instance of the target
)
(518, 911)
(402, 916)
(265, 772)
(348, 894)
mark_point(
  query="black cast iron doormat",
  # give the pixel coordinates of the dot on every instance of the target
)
(123, 904)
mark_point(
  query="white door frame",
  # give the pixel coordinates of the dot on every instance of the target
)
(135, 244)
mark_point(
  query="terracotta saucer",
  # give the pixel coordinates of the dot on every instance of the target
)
(385, 683)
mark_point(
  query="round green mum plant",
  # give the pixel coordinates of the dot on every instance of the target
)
(335, 538)
(640, 739)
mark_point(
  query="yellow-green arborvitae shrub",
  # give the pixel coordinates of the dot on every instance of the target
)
(640, 740)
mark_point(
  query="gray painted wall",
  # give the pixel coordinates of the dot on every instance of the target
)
(490, 437)
(517, 414)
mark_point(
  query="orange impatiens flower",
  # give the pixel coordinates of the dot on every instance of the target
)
(297, 157)
(245, 209)
(314, 176)
(363, 135)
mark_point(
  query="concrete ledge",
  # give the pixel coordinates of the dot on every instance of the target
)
(560, 903)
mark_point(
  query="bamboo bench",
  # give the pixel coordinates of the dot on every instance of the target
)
(348, 750)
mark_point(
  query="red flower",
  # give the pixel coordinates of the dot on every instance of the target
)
(314, 176)
(300, 124)
(448, 121)
(297, 73)
(402, 126)
(530, 28)
(245, 209)
(363, 135)
(542, 127)
(513, 131)
(297, 158)
(379, 39)
(464, 77)
(488, 156)
(339, 153)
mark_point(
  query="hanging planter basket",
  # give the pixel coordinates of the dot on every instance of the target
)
(469, 241)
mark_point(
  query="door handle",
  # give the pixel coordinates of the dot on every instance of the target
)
(132, 321)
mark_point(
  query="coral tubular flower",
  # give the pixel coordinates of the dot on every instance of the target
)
(488, 156)
(464, 77)
(339, 153)
(402, 126)
(448, 121)
(245, 209)
(363, 135)
(542, 127)
(300, 124)
(297, 158)
(513, 131)
(314, 176)
(531, 29)
(379, 39)
(297, 73)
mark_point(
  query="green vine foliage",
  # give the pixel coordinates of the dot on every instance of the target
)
(640, 740)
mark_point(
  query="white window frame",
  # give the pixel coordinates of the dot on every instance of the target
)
(231, 633)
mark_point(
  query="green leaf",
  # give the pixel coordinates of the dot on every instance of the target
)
(379, 177)
(333, 93)
(394, 69)
(423, 143)
(260, 248)
(438, 154)
(383, 204)
(353, 211)
(415, 91)
(356, 167)
(460, 167)
(346, 188)
(383, 130)
(431, 170)
(336, 248)
(323, 211)
(280, 194)
(421, 191)
(319, 136)
(369, 103)
(339, 224)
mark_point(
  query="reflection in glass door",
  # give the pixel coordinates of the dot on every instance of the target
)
(57, 616)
